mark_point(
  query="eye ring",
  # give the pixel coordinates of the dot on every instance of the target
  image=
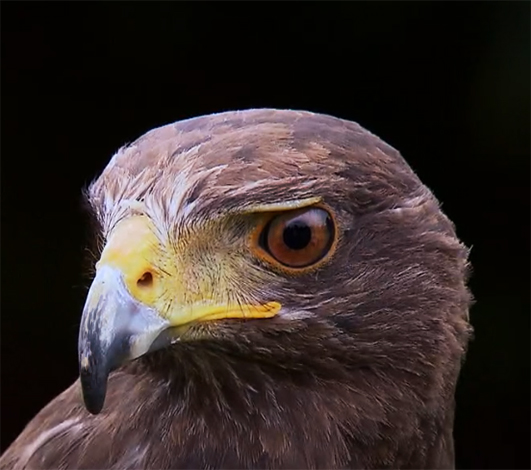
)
(297, 240)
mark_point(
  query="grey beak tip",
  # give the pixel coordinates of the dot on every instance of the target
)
(94, 387)
(115, 328)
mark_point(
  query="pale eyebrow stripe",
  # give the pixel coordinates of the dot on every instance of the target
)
(279, 206)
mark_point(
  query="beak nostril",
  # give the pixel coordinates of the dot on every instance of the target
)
(146, 280)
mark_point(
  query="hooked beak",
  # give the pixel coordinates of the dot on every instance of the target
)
(115, 328)
(126, 313)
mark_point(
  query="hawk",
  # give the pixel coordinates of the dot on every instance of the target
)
(276, 289)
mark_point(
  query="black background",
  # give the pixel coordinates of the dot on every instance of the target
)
(446, 83)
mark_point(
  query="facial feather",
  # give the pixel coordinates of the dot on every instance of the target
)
(359, 367)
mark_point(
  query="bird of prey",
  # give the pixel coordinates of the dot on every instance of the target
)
(276, 289)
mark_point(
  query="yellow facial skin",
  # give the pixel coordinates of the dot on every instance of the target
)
(148, 291)
(134, 250)
(158, 277)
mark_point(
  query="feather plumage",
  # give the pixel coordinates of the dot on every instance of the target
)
(364, 377)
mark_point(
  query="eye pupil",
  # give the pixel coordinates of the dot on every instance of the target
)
(297, 235)
(297, 239)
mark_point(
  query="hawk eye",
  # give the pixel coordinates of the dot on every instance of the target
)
(298, 239)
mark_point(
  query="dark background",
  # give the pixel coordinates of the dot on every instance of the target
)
(446, 83)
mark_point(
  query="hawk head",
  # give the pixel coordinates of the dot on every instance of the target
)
(298, 244)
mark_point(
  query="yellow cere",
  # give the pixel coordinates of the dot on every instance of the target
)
(134, 250)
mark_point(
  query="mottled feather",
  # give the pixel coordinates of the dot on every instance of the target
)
(363, 378)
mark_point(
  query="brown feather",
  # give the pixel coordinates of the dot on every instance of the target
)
(365, 381)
